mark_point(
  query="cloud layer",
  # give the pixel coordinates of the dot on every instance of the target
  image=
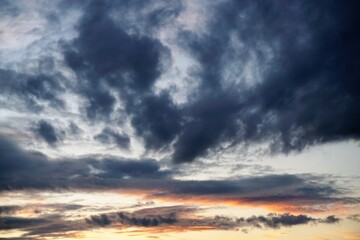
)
(25, 170)
(173, 218)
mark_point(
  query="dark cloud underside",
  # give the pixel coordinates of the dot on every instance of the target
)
(304, 97)
(303, 87)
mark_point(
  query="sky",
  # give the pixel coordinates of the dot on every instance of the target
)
(180, 119)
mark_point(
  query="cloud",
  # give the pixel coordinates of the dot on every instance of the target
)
(47, 131)
(35, 171)
(208, 118)
(136, 218)
(274, 221)
(9, 209)
(354, 217)
(303, 95)
(157, 119)
(36, 91)
(109, 136)
(52, 210)
(293, 193)
(101, 220)
(330, 219)
(125, 66)
(172, 218)
(74, 129)
(46, 226)
(123, 62)
(19, 223)
(113, 168)
(43, 87)
(8, 8)
(151, 221)
(258, 77)
(277, 221)
(283, 107)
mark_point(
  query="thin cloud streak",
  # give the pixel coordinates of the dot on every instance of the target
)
(170, 219)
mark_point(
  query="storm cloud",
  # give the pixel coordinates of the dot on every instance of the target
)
(301, 96)
(296, 102)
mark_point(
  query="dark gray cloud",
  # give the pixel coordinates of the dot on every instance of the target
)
(34, 90)
(47, 131)
(273, 220)
(109, 136)
(155, 216)
(122, 62)
(163, 15)
(304, 97)
(127, 64)
(43, 87)
(56, 229)
(289, 105)
(34, 170)
(330, 219)
(9, 220)
(210, 121)
(9, 209)
(114, 168)
(277, 220)
(7, 8)
(19, 223)
(101, 220)
(157, 119)
(14, 159)
(151, 221)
